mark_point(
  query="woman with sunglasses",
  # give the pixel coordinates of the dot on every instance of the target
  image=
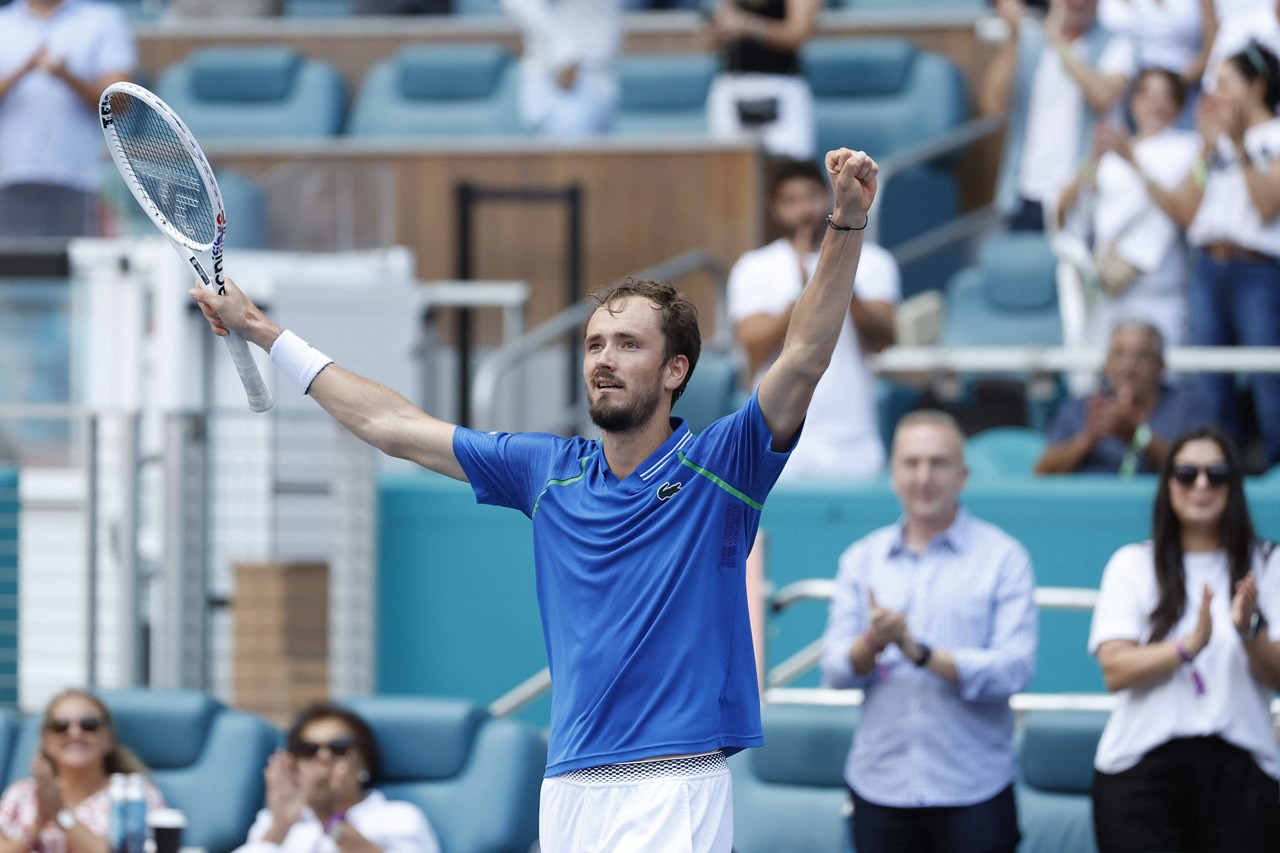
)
(318, 795)
(1187, 761)
(64, 805)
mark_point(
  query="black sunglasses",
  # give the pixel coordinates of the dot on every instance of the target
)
(86, 724)
(1187, 475)
(337, 747)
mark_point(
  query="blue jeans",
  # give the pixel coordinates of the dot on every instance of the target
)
(1237, 303)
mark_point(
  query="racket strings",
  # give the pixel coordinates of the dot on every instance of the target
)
(164, 168)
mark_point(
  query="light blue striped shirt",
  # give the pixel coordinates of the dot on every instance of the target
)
(923, 740)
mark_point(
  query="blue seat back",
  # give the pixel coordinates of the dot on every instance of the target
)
(881, 95)
(439, 91)
(245, 93)
(475, 777)
(790, 794)
(664, 94)
(1010, 298)
(1004, 452)
(712, 390)
(206, 759)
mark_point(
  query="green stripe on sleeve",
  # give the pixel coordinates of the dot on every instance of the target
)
(551, 483)
(684, 460)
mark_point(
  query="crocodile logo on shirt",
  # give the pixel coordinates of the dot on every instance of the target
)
(666, 490)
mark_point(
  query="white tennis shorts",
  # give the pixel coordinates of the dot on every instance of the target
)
(677, 805)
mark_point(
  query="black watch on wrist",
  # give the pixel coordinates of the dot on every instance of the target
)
(922, 659)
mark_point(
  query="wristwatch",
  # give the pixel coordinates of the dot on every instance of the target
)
(66, 819)
(925, 653)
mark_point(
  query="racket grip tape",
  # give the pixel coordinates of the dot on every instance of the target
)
(254, 386)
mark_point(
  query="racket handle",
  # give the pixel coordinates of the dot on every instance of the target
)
(254, 386)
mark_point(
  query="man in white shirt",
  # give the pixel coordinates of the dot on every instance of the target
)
(841, 436)
(1053, 79)
(56, 57)
(568, 84)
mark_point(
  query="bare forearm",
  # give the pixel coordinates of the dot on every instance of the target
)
(1180, 205)
(874, 324)
(1138, 665)
(1263, 191)
(997, 84)
(1100, 90)
(761, 337)
(941, 662)
(1264, 660)
(862, 656)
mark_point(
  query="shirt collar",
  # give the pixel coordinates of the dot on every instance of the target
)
(954, 538)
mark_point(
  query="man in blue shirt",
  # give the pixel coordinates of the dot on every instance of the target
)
(639, 539)
(1127, 425)
(935, 619)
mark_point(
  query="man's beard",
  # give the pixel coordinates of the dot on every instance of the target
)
(613, 416)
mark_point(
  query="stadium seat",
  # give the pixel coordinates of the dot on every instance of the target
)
(246, 207)
(205, 758)
(1055, 759)
(1009, 299)
(885, 95)
(664, 94)
(712, 390)
(250, 93)
(477, 7)
(1004, 452)
(790, 794)
(477, 778)
(439, 91)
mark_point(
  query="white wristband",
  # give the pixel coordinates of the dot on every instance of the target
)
(298, 360)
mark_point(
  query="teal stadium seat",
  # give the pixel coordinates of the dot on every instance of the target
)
(790, 794)
(246, 206)
(1009, 299)
(1004, 452)
(916, 6)
(712, 391)
(477, 7)
(253, 93)
(884, 95)
(439, 91)
(664, 94)
(1055, 770)
(205, 758)
(477, 778)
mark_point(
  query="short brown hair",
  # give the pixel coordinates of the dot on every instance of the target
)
(679, 319)
(361, 734)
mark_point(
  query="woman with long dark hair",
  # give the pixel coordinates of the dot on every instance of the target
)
(1187, 761)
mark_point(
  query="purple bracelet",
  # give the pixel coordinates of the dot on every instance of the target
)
(1195, 675)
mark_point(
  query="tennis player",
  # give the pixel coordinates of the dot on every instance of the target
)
(639, 539)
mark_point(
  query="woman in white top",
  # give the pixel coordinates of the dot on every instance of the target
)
(1187, 761)
(1139, 256)
(1231, 208)
(318, 799)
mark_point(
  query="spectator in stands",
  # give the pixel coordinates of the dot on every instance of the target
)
(1187, 760)
(640, 537)
(1238, 22)
(64, 805)
(935, 619)
(1231, 208)
(568, 82)
(1138, 259)
(761, 90)
(318, 787)
(841, 438)
(1126, 425)
(1173, 35)
(1052, 79)
(56, 57)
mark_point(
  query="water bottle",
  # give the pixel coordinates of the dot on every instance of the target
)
(116, 793)
(135, 814)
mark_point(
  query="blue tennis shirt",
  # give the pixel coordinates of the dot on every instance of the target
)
(640, 583)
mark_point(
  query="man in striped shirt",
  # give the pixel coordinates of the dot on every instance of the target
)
(935, 618)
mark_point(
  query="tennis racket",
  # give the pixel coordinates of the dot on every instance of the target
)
(168, 174)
